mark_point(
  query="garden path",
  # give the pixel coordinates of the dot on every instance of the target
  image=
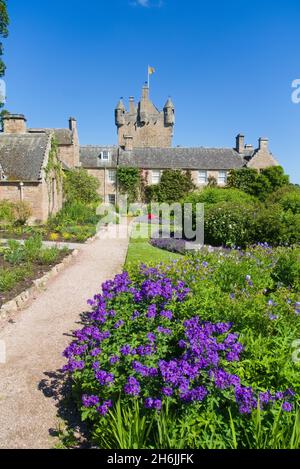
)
(36, 337)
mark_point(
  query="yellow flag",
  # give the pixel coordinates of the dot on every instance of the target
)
(151, 70)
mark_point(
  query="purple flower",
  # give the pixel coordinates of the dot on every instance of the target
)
(151, 337)
(287, 407)
(114, 359)
(90, 401)
(125, 350)
(104, 408)
(104, 378)
(153, 403)
(119, 324)
(132, 387)
(167, 391)
(167, 314)
(151, 312)
(95, 352)
(162, 330)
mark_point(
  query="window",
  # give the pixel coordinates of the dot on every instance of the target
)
(112, 176)
(156, 177)
(104, 155)
(112, 199)
(202, 177)
(222, 179)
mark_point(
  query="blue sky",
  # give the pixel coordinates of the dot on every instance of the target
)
(228, 65)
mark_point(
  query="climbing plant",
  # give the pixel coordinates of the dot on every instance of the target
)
(54, 170)
(129, 182)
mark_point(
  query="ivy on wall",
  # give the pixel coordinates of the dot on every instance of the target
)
(129, 182)
(54, 170)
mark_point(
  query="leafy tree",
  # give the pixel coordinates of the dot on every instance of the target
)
(242, 179)
(79, 186)
(129, 182)
(174, 185)
(259, 184)
(4, 21)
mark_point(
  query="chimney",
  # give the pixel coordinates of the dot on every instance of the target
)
(240, 143)
(128, 143)
(14, 124)
(263, 144)
(73, 124)
(131, 105)
(145, 92)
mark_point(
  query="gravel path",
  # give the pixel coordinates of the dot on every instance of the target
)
(35, 338)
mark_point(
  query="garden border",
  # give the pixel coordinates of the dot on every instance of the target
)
(20, 301)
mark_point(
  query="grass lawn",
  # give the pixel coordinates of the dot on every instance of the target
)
(140, 251)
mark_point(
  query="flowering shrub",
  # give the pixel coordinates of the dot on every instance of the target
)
(169, 244)
(163, 343)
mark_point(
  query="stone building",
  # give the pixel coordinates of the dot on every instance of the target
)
(145, 137)
(145, 141)
(24, 158)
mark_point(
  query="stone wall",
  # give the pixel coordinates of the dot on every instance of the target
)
(106, 187)
(36, 195)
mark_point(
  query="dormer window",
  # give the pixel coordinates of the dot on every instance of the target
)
(105, 155)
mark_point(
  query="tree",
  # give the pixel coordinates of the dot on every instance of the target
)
(174, 185)
(260, 184)
(4, 21)
(242, 179)
(81, 187)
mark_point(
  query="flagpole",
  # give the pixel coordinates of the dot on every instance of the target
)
(148, 77)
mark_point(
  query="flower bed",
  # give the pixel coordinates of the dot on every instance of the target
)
(196, 354)
(21, 264)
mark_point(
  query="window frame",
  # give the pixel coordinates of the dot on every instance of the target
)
(114, 179)
(115, 199)
(203, 171)
(159, 172)
(222, 180)
(102, 155)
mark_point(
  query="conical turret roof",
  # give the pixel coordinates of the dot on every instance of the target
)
(169, 104)
(120, 105)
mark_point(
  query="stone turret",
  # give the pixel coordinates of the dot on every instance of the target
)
(169, 111)
(120, 114)
(144, 125)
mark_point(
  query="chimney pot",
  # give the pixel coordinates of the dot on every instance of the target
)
(263, 143)
(14, 124)
(240, 143)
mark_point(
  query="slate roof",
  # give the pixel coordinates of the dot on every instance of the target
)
(22, 156)
(90, 156)
(63, 136)
(184, 158)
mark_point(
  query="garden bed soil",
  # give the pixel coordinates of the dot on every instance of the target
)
(37, 271)
(24, 236)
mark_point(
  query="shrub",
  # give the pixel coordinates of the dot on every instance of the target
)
(49, 256)
(6, 213)
(10, 278)
(174, 185)
(32, 247)
(21, 213)
(215, 195)
(161, 350)
(229, 224)
(287, 269)
(14, 254)
(79, 186)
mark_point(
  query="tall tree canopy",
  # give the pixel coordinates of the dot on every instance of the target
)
(3, 31)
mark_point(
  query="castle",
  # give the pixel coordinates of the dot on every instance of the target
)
(144, 141)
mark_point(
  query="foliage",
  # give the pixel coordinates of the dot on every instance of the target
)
(14, 213)
(259, 184)
(174, 185)
(4, 21)
(215, 195)
(129, 182)
(54, 173)
(21, 213)
(287, 269)
(10, 278)
(81, 187)
(194, 354)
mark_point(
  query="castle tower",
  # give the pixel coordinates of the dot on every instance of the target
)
(144, 125)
